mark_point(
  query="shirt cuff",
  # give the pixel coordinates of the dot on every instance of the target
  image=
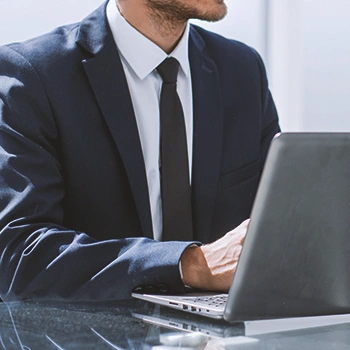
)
(180, 266)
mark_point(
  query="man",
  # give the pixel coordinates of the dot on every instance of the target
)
(81, 178)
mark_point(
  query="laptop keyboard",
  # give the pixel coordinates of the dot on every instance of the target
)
(214, 300)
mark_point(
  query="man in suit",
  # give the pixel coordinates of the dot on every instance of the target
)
(80, 200)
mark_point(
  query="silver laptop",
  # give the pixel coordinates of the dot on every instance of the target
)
(187, 323)
(296, 256)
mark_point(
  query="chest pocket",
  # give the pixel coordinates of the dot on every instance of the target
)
(240, 175)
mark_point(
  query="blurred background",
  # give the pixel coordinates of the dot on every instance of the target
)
(305, 45)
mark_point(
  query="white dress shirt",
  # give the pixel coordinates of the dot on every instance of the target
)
(140, 58)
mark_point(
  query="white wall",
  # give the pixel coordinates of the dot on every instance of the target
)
(245, 22)
(309, 63)
(326, 51)
(285, 62)
(23, 19)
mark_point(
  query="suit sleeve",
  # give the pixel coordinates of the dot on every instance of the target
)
(269, 123)
(39, 257)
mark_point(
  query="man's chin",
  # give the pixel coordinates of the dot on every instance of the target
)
(215, 16)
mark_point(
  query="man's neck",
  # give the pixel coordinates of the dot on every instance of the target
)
(164, 32)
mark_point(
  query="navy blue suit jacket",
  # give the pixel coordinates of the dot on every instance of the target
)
(74, 206)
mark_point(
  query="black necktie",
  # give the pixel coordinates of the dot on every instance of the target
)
(175, 184)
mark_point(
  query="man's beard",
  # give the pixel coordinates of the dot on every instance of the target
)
(172, 12)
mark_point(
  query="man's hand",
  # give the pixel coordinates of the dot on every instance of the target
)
(212, 266)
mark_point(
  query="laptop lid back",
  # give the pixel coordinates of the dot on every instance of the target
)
(296, 257)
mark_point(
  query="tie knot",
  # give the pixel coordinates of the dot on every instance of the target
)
(168, 70)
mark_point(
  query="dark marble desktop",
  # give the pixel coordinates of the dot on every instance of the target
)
(140, 325)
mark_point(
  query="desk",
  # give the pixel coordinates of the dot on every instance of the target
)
(132, 325)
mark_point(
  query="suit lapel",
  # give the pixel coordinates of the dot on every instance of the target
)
(106, 75)
(207, 136)
(104, 69)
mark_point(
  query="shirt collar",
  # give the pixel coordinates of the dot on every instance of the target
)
(152, 55)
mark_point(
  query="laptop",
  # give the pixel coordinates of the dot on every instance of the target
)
(179, 329)
(295, 259)
(189, 323)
